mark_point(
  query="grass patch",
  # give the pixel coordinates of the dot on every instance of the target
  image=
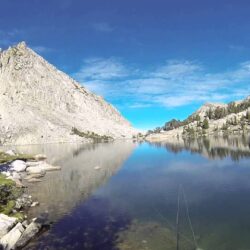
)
(19, 216)
(8, 194)
(4, 181)
(4, 158)
(91, 135)
(7, 209)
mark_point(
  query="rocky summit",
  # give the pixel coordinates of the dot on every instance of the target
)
(40, 104)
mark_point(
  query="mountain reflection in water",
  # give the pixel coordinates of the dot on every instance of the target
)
(60, 191)
(235, 147)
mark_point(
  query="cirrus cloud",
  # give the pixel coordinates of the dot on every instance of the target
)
(173, 84)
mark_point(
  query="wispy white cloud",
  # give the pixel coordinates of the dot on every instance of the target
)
(8, 38)
(238, 48)
(140, 105)
(103, 27)
(176, 69)
(101, 69)
(42, 49)
(173, 84)
(12, 37)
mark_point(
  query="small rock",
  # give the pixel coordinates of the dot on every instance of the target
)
(32, 176)
(40, 167)
(34, 163)
(9, 240)
(32, 229)
(34, 204)
(97, 168)
(48, 167)
(15, 175)
(40, 157)
(34, 180)
(10, 152)
(35, 170)
(16, 178)
(18, 183)
(18, 166)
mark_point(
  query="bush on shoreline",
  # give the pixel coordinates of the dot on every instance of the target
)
(91, 135)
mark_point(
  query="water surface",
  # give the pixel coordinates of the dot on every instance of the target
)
(131, 201)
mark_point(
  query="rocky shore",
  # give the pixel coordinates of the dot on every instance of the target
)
(16, 230)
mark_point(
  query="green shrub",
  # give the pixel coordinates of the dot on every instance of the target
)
(205, 124)
(91, 135)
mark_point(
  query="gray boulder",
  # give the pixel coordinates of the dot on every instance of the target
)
(32, 229)
(9, 240)
(18, 166)
(6, 223)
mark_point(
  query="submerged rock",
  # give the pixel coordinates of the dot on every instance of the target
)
(34, 163)
(149, 235)
(17, 176)
(34, 180)
(48, 167)
(34, 176)
(32, 229)
(40, 157)
(35, 170)
(9, 240)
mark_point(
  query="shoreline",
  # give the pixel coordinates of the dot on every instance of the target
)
(16, 229)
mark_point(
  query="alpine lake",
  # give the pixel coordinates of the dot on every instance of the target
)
(184, 194)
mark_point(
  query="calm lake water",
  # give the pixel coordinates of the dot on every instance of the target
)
(131, 201)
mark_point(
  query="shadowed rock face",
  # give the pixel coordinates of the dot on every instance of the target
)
(40, 104)
(84, 169)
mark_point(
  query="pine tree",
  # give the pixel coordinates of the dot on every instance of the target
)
(248, 115)
(205, 124)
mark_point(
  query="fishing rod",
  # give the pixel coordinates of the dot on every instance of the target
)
(181, 190)
(177, 219)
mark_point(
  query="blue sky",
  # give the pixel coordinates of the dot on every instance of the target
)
(153, 59)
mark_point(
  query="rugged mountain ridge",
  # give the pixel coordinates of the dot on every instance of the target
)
(40, 104)
(211, 118)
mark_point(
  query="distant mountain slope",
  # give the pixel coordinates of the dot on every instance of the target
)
(211, 118)
(40, 104)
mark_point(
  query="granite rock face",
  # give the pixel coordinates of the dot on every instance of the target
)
(40, 104)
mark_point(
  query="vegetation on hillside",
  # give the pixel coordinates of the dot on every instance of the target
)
(211, 114)
(91, 135)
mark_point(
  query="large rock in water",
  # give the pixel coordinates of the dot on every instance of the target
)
(28, 234)
(18, 166)
(6, 223)
(9, 240)
(40, 104)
